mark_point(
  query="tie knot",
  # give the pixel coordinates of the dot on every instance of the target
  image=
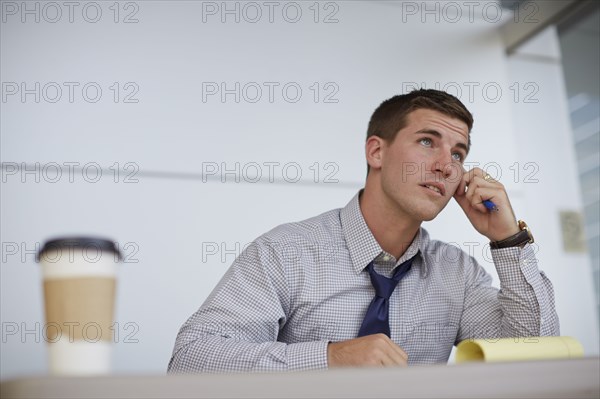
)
(384, 286)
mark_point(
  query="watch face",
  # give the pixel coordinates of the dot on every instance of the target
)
(523, 226)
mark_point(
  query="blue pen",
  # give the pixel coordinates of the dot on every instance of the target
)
(490, 205)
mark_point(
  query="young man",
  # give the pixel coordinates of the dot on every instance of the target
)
(365, 285)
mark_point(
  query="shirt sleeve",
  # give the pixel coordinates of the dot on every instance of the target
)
(237, 327)
(523, 307)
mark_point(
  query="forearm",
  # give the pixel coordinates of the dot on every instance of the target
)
(199, 351)
(526, 295)
(238, 327)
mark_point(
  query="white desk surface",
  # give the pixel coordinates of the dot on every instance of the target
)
(578, 378)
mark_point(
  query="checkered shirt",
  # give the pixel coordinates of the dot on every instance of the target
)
(303, 285)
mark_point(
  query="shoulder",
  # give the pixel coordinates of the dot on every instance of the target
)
(325, 226)
(289, 247)
(297, 242)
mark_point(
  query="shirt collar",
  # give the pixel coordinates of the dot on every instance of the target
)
(363, 246)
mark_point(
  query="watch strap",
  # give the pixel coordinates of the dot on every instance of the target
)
(522, 237)
(516, 240)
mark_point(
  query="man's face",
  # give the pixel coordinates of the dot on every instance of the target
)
(421, 169)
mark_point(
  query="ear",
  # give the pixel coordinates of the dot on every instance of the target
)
(374, 151)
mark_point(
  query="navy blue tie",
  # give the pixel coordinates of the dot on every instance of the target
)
(377, 318)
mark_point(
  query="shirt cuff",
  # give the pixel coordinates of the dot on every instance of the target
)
(515, 264)
(307, 355)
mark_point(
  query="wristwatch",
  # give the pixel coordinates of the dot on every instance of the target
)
(517, 240)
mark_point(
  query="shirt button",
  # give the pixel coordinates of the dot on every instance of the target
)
(386, 258)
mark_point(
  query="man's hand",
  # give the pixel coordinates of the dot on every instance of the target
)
(370, 350)
(473, 189)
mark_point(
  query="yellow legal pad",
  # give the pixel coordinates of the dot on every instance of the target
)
(514, 349)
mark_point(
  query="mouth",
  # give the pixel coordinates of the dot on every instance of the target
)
(435, 187)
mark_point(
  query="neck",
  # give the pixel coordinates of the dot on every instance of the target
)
(393, 230)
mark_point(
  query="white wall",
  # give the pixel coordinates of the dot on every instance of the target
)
(171, 214)
(545, 140)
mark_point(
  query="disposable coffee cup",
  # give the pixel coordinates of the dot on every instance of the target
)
(79, 275)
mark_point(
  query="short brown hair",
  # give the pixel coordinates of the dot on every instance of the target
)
(391, 116)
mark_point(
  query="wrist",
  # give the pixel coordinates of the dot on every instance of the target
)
(519, 239)
(505, 234)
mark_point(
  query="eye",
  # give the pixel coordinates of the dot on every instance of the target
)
(425, 141)
(457, 156)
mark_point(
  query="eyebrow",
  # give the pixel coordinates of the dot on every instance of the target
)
(437, 134)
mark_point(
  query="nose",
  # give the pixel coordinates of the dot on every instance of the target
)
(443, 163)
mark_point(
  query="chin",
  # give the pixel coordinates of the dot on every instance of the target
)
(428, 218)
(427, 215)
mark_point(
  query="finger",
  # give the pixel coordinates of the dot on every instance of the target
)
(477, 183)
(463, 202)
(487, 177)
(470, 175)
(481, 194)
(393, 358)
(390, 353)
(403, 359)
(472, 188)
(390, 358)
(383, 355)
(480, 173)
(398, 353)
(462, 185)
